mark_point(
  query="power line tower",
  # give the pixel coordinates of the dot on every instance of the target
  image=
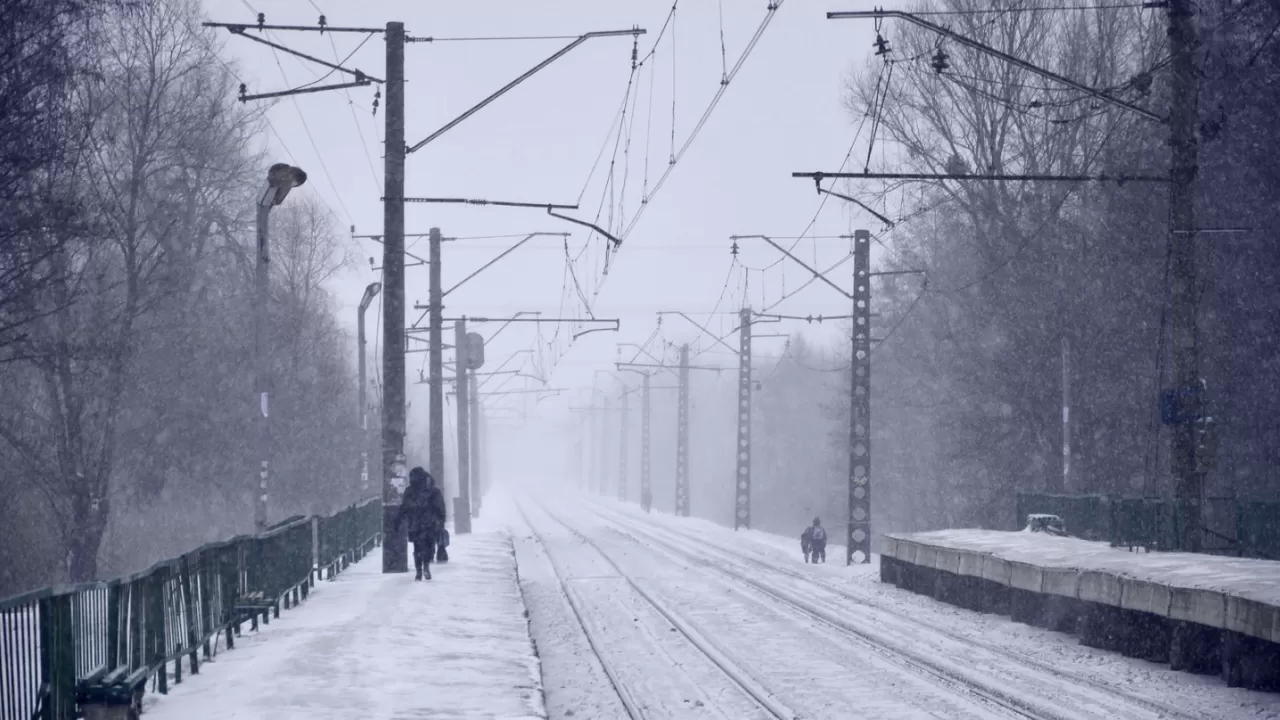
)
(742, 478)
(858, 546)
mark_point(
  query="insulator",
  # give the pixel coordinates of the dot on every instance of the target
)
(939, 63)
(262, 20)
(882, 45)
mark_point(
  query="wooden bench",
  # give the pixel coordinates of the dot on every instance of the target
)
(112, 695)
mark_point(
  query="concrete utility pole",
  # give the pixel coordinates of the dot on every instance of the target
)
(475, 491)
(742, 481)
(682, 437)
(281, 179)
(435, 360)
(462, 504)
(646, 489)
(622, 448)
(1066, 414)
(858, 546)
(395, 557)
(1188, 476)
(370, 293)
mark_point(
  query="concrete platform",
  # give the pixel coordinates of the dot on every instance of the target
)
(369, 645)
(1199, 612)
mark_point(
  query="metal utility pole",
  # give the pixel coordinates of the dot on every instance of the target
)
(395, 557)
(682, 437)
(646, 490)
(281, 179)
(858, 546)
(1188, 477)
(742, 503)
(622, 449)
(370, 293)
(473, 394)
(682, 427)
(462, 504)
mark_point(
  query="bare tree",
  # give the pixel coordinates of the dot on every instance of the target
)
(162, 152)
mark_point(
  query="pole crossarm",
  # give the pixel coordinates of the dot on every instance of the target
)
(701, 327)
(625, 366)
(987, 49)
(241, 30)
(299, 91)
(640, 351)
(617, 325)
(378, 239)
(635, 32)
(807, 318)
(479, 319)
(821, 191)
(611, 237)
(322, 29)
(797, 260)
(530, 391)
(479, 201)
(489, 264)
(1119, 179)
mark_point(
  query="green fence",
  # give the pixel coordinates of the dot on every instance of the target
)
(1238, 527)
(57, 639)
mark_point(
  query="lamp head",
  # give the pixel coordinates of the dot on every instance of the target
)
(282, 178)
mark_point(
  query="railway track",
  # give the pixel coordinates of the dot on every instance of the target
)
(635, 707)
(1077, 698)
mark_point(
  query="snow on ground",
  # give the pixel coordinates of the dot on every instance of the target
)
(574, 682)
(865, 596)
(804, 664)
(368, 645)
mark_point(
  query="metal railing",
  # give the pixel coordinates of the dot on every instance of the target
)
(54, 639)
(1234, 527)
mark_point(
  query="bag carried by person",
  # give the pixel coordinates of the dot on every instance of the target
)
(443, 541)
(819, 535)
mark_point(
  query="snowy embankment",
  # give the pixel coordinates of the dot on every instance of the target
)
(369, 645)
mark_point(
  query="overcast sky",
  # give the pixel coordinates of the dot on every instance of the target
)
(783, 112)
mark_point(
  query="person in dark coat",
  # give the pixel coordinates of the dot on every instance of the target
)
(422, 512)
(817, 538)
(806, 542)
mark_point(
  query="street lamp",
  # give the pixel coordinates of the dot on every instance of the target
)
(281, 178)
(370, 293)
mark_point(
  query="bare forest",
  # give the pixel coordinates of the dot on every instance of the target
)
(126, 266)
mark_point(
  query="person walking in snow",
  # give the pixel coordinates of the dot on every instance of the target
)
(806, 542)
(817, 536)
(422, 511)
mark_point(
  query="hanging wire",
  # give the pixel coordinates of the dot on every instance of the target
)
(674, 85)
(724, 60)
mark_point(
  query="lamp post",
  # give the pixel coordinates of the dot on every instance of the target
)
(281, 178)
(370, 293)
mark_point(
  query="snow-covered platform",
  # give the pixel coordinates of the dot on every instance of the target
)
(369, 645)
(1200, 612)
